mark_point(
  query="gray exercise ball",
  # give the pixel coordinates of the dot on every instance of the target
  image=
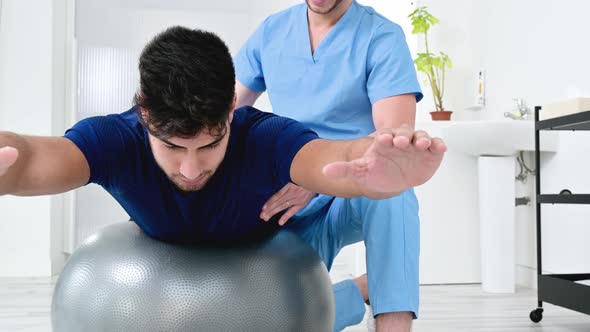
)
(122, 280)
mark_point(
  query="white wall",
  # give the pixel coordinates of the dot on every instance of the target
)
(535, 50)
(30, 89)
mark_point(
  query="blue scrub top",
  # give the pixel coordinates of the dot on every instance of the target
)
(364, 58)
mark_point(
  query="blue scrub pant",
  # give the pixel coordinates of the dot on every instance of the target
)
(390, 229)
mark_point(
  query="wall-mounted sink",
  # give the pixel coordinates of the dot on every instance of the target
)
(496, 144)
(496, 137)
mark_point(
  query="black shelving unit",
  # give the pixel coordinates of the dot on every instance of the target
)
(558, 289)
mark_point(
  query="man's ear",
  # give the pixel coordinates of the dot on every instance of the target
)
(233, 104)
(231, 115)
(144, 114)
(233, 108)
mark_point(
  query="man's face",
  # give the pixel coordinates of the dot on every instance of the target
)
(322, 6)
(190, 162)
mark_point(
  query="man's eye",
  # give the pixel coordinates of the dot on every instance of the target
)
(171, 147)
(211, 147)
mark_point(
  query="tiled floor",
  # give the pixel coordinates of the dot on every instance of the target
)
(25, 304)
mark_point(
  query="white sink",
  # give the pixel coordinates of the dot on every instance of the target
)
(496, 144)
(496, 137)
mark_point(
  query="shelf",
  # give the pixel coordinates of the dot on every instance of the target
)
(562, 290)
(558, 289)
(564, 199)
(578, 121)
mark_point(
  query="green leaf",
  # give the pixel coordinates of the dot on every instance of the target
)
(446, 60)
(422, 20)
(432, 65)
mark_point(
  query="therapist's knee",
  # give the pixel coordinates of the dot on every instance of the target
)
(405, 202)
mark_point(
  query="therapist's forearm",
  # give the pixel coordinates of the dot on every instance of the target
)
(393, 112)
(245, 96)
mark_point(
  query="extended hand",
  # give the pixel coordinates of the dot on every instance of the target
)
(291, 197)
(8, 156)
(395, 161)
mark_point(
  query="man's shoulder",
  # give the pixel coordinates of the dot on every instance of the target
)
(130, 121)
(126, 124)
(258, 124)
(251, 117)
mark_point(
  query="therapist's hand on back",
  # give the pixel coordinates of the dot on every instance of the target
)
(8, 156)
(291, 197)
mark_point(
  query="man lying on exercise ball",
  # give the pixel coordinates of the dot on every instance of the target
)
(189, 168)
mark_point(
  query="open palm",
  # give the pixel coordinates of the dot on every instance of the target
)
(393, 162)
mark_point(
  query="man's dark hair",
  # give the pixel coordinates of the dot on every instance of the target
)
(187, 83)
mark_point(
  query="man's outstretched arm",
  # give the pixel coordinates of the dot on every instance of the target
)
(31, 165)
(377, 167)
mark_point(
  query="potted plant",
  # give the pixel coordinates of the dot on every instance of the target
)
(432, 65)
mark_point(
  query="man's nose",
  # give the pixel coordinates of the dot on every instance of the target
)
(189, 168)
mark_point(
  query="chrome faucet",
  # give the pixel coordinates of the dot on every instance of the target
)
(522, 112)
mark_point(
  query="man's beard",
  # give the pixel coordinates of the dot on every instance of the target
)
(336, 3)
(187, 189)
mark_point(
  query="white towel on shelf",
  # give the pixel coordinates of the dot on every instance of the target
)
(564, 107)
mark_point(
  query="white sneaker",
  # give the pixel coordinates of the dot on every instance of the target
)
(371, 324)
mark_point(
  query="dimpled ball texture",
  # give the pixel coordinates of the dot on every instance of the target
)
(120, 279)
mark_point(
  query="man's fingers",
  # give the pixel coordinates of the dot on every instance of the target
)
(278, 207)
(277, 197)
(403, 137)
(8, 156)
(438, 146)
(422, 141)
(289, 213)
(275, 208)
(291, 195)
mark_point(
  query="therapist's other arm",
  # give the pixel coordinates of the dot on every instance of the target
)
(395, 111)
(32, 165)
(245, 96)
(376, 167)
